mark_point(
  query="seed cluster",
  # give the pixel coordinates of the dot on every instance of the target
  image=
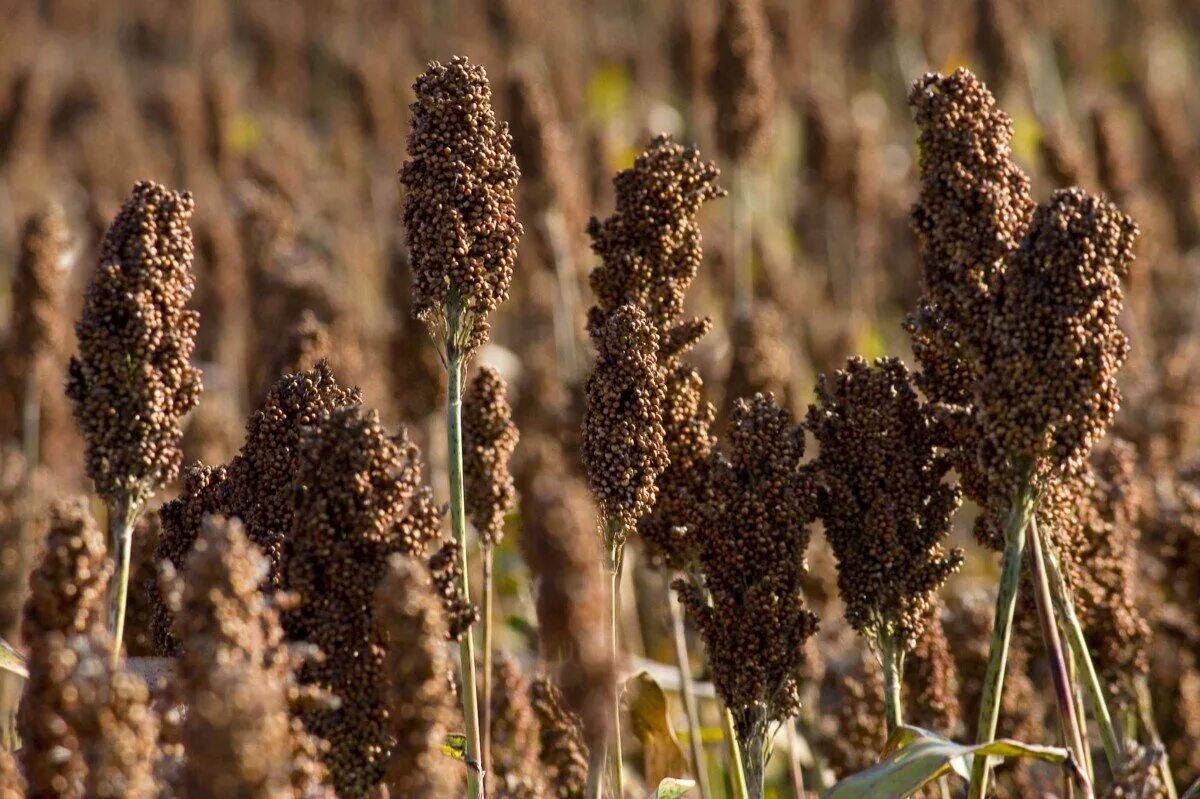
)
(516, 735)
(358, 497)
(37, 285)
(237, 676)
(883, 497)
(132, 381)
(623, 445)
(67, 590)
(760, 362)
(558, 542)
(741, 81)
(417, 378)
(563, 753)
(752, 554)
(420, 710)
(460, 210)
(490, 437)
(256, 486)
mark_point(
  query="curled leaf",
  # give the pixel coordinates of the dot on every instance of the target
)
(912, 758)
(652, 726)
(454, 745)
(672, 789)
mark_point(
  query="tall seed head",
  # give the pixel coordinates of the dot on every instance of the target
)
(132, 380)
(741, 81)
(460, 209)
(37, 285)
(490, 437)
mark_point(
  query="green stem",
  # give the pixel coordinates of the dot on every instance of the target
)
(688, 690)
(1064, 692)
(121, 516)
(893, 671)
(615, 755)
(466, 644)
(737, 765)
(1006, 602)
(486, 675)
(1083, 657)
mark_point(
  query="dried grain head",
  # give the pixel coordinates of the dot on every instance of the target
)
(760, 361)
(460, 209)
(37, 286)
(304, 344)
(516, 734)
(358, 498)
(884, 501)
(563, 753)
(741, 80)
(490, 437)
(540, 146)
(420, 709)
(67, 589)
(132, 380)
(1049, 392)
(650, 246)
(931, 679)
(752, 556)
(559, 543)
(417, 377)
(623, 444)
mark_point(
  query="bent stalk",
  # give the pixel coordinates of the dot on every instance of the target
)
(1006, 602)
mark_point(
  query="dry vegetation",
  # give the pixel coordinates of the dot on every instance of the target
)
(712, 390)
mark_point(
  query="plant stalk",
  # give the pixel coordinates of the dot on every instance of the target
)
(688, 690)
(1145, 712)
(893, 671)
(1064, 692)
(122, 514)
(737, 765)
(615, 755)
(795, 767)
(466, 645)
(1079, 649)
(488, 553)
(1006, 602)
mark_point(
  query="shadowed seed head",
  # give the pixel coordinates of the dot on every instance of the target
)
(489, 440)
(741, 79)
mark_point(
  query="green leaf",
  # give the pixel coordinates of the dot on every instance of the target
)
(708, 735)
(912, 758)
(454, 745)
(12, 660)
(652, 726)
(671, 788)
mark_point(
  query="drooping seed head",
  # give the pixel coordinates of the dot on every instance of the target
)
(132, 380)
(460, 208)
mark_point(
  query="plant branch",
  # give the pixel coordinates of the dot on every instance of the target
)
(688, 690)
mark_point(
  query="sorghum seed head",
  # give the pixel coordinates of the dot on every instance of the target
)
(558, 542)
(460, 210)
(883, 498)
(516, 734)
(650, 247)
(133, 381)
(489, 440)
(37, 285)
(563, 753)
(256, 486)
(358, 498)
(741, 80)
(760, 362)
(67, 590)
(752, 555)
(623, 444)
(420, 711)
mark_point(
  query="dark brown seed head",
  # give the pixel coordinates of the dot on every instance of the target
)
(67, 590)
(132, 380)
(358, 498)
(884, 501)
(37, 287)
(300, 347)
(489, 440)
(420, 710)
(564, 755)
(559, 542)
(460, 209)
(540, 147)
(741, 80)
(623, 444)
(650, 246)
(516, 735)
(752, 555)
(256, 486)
